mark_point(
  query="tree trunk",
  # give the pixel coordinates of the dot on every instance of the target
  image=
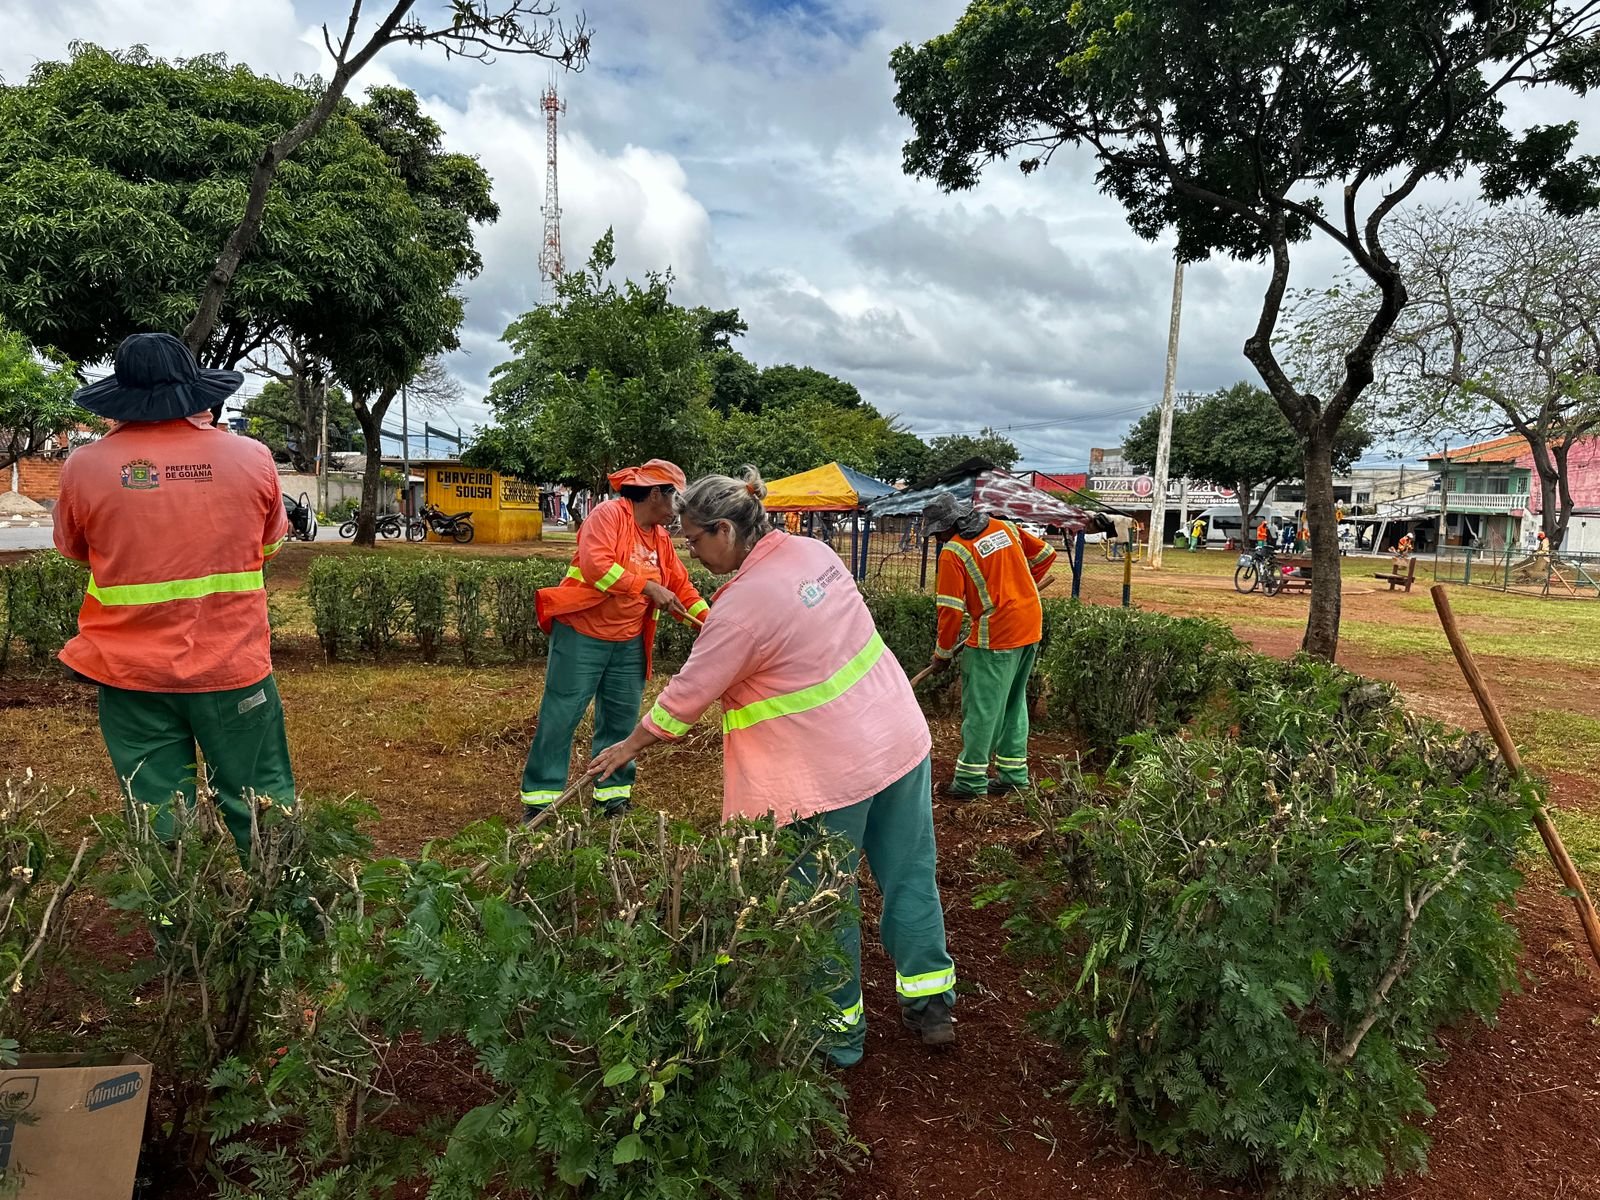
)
(198, 331)
(370, 416)
(1322, 623)
(1557, 533)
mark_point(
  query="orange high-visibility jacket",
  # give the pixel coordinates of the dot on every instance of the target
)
(176, 520)
(993, 579)
(603, 594)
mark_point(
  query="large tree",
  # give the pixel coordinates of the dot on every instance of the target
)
(36, 405)
(120, 174)
(1236, 438)
(286, 414)
(605, 376)
(806, 432)
(1249, 125)
(953, 449)
(1502, 334)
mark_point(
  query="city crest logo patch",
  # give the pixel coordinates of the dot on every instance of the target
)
(141, 475)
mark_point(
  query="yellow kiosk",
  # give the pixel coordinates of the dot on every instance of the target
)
(504, 509)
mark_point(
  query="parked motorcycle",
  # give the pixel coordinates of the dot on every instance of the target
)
(450, 525)
(390, 525)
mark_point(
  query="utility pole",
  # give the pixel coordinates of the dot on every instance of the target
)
(1158, 500)
(405, 456)
(322, 388)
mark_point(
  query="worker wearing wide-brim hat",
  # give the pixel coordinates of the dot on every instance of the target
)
(602, 625)
(176, 519)
(989, 575)
(820, 730)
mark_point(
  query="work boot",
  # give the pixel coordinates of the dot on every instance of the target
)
(951, 792)
(933, 1024)
(617, 808)
(1004, 787)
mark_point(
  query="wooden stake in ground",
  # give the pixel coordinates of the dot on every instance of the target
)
(1508, 749)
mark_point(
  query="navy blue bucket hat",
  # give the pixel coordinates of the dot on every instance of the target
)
(156, 379)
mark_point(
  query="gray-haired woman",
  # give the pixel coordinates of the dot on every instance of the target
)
(819, 725)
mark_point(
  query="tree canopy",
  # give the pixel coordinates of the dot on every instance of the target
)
(609, 375)
(1236, 438)
(954, 449)
(1235, 121)
(604, 377)
(1501, 335)
(35, 398)
(120, 174)
(287, 417)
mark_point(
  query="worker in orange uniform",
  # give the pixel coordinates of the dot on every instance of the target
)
(602, 626)
(176, 519)
(1263, 533)
(989, 572)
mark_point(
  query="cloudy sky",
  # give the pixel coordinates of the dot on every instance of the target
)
(753, 147)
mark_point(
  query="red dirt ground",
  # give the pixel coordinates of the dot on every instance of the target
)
(1518, 1105)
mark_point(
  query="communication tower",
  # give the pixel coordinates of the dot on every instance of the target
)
(550, 265)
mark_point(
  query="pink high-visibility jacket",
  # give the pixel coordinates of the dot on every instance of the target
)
(817, 714)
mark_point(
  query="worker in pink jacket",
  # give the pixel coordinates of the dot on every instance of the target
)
(819, 726)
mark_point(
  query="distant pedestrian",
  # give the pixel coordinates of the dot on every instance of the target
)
(1287, 539)
(1197, 534)
(1263, 533)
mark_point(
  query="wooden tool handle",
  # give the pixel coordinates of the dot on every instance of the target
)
(1508, 749)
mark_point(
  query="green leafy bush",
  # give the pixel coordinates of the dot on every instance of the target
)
(376, 590)
(221, 929)
(647, 1000)
(1111, 672)
(471, 609)
(516, 620)
(328, 593)
(424, 586)
(37, 884)
(1249, 946)
(39, 601)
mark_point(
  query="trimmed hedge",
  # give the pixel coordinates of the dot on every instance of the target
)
(39, 601)
(375, 602)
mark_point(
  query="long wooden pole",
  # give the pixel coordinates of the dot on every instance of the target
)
(1508, 749)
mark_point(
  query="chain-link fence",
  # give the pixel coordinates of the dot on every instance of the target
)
(1513, 569)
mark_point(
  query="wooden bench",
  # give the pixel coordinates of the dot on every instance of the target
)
(1394, 579)
(1300, 580)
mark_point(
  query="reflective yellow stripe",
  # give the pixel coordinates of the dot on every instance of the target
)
(176, 589)
(606, 581)
(698, 607)
(850, 1017)
(970, 564)
(955, 602)
(914, 987)
(668, 723)
(624, 792)
(574, 573)
(540, 799)
(818, 694)
(269, 550)
(1047, 552)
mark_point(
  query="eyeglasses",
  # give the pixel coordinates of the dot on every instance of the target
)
(694, 539)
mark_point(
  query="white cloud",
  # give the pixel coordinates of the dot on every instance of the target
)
(754, 149)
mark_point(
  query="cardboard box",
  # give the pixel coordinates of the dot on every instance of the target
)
(70, 1124)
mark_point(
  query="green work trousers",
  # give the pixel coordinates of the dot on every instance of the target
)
(582, 669)
(152, 738)
(994, 718)
(895, 830)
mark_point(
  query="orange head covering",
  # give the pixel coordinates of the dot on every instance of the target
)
(658, 472)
